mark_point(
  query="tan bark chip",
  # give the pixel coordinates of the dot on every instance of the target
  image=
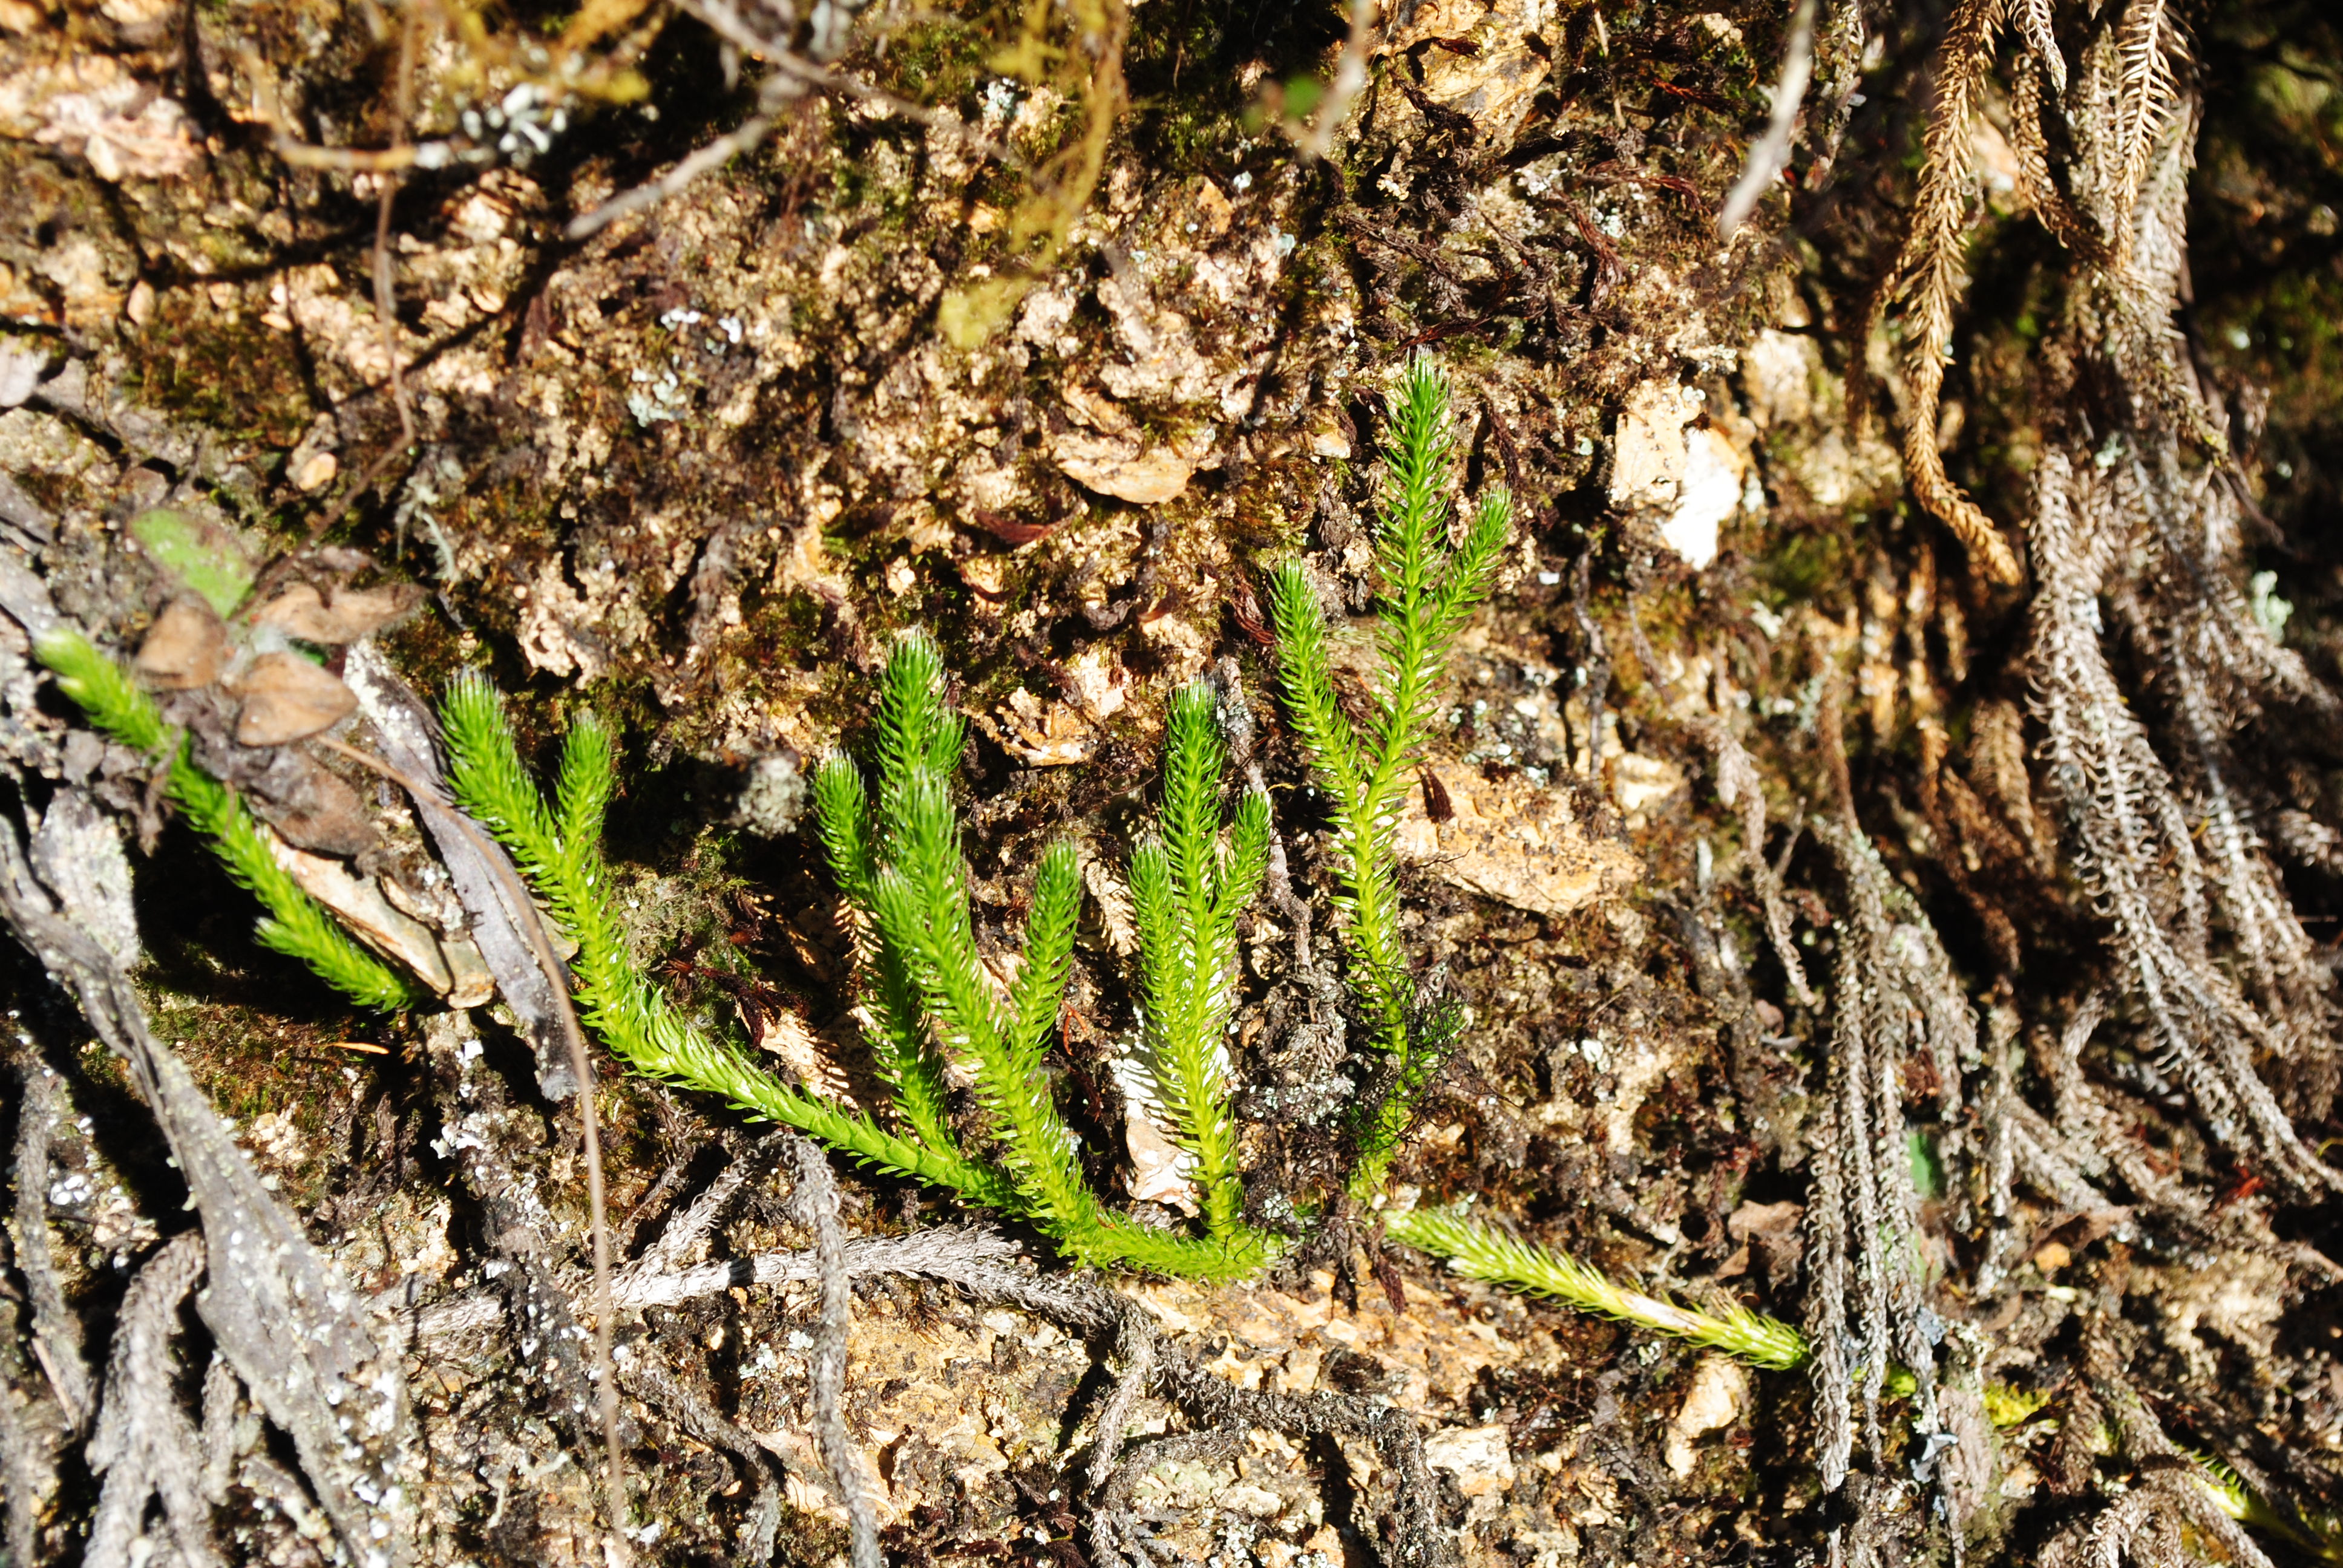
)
(301, 611)
(1121, 467)
(1514, 840)
(1719, 1394)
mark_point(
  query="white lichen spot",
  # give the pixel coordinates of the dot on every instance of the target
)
(1709, 492)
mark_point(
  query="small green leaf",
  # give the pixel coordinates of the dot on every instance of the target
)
(204, 555)
(1927, 1170)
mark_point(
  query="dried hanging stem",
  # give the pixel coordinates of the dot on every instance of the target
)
(1315, 139)
(1929, 275)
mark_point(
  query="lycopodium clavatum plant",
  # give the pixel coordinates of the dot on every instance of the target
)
(890, 833)
(1187, 889)
(897, 858)
(1365, 767)
(895, 851)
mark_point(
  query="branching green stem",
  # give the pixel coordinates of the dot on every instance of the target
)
(1428, 591)
(900, 867)
(561, 856)
(1186, 894)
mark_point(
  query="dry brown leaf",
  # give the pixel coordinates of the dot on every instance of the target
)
(1648, 449)
(313, 808)
(1719, 1394)
(301, 611)
(287, 698)
(1123, 466)
(1159, 1167)
(185, 648)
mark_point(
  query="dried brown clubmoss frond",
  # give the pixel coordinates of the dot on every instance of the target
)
(2131, 295)
(2033, 20)
(2038, 185)
(2145, 1526)
(1928, 274)
(2147, 100)
(2162, 822)
(2220, 671)
(2087, 1135)
(1997, 768)
(2132, 131)
(2170, 1492)
(1962, 828)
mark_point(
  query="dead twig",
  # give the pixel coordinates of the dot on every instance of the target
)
(725, 22)
(794, 76)
(933, 1253)
(277, 1310)
(716, 154)
(145, 1444)
(391, 172)
(1315, 138)
(1772, 153)
(816, 1208)
(55, 1341)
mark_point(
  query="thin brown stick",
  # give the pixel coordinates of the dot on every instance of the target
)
(1830, 737)
(726, 23)
(1607, 264)
(385, 298)
(721, 151)
(793, 69)
(580, 1063)
(287, 145)
(303, 154)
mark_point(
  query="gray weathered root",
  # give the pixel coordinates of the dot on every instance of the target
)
(276, 1310)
